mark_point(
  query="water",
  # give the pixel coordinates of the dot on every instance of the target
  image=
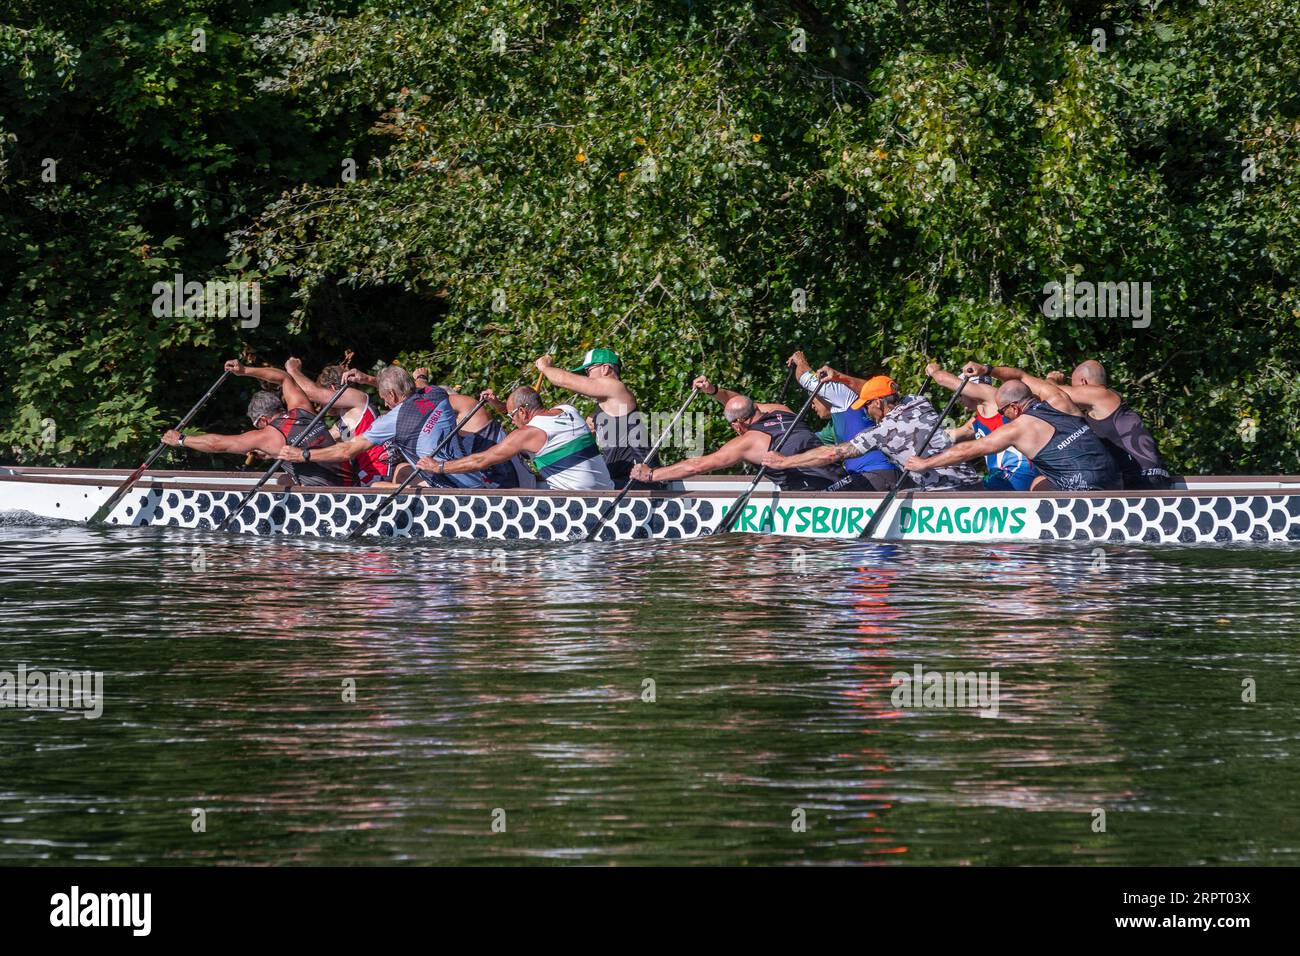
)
(493, 680)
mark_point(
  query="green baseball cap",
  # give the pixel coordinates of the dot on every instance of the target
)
(597, 357)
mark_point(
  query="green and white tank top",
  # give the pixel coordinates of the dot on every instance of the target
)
(570, 460)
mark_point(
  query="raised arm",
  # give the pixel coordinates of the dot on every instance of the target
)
(319, 394)
(597, 388)
(985, 393)
(716, 392)
(294, 397)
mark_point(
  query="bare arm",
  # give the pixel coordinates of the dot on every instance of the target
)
(266, 440)
(718, 394)
(814, 457)
(992, 443)
(597, 388)
(964, 433)
(985, 393)
(352, 398)
(462, 405)
(341, 451)
(526, 439)
(741, 448)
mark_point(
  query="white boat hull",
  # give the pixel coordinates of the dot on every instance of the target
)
(1207, 510)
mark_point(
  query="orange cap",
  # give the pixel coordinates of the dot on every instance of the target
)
(873, 388)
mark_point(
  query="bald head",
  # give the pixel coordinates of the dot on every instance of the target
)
(1013, 391)
(739, 408)
(1088, 373)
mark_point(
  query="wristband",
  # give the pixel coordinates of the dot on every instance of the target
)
(180, 442)
(306, 454)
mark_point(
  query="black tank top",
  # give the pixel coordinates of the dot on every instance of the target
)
(773, 425)
(1074, 459)
(293, 423)
(1130, 444)
(623, 442)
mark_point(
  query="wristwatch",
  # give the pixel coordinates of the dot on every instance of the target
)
(180, 442)
(442, 468)
(306, 454)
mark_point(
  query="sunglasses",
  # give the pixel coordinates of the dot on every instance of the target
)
(1002, 409)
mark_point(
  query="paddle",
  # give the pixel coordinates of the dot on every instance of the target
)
(380, 508)
(785, 389)
(654, 450)
(107, 507)
(879, 513)
(279, 461)
(730, 518)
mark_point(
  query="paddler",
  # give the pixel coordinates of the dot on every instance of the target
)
(415, 424)
(1047, 426)
(562, 448)
(619, 427)
(869, 472)
(356, 413)
(1009, 469)
(276, 421)
(757, 425)
(901, 424)
(1120, 428)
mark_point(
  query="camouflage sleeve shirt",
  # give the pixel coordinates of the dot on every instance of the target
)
(900, 434)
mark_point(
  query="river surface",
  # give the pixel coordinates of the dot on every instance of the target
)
(723, 701)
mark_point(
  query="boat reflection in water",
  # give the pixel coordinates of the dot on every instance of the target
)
(722, 700)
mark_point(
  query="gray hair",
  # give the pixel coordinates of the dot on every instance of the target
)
(526, 396)
(395, 379)
(265, 405)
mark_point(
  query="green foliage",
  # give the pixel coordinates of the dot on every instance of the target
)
(662, 178)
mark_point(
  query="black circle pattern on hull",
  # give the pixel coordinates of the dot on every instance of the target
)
(1208, 518)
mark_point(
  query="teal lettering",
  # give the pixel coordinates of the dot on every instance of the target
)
(906, 518)
(997, 520)
(923, 516)
(855, 521)
(837, 520)
(802, 515)
(765, 523)
(963, 524)
(784, 514)
(1017, 519)
(981, 519)
(944, 521)
(819, 524)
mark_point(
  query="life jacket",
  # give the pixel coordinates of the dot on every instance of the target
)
(426, 416)
(293, 424)
(570, 459)
(852, 422)
(371, 464)
(1009, 466)
(1074, 458)
(774, 425)
(1131, 445)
